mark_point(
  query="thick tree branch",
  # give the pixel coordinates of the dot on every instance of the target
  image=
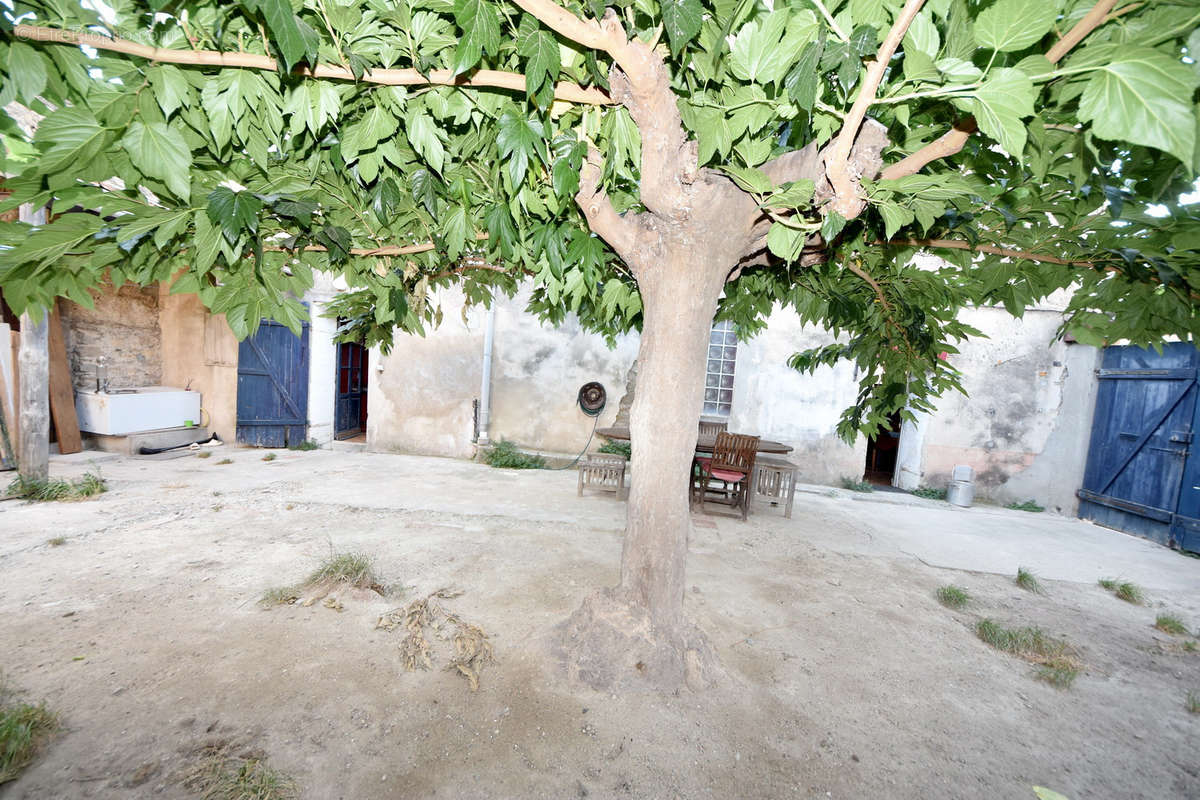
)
(954, 140)
(639, 80)
(874, 284)
(568, 92)
(1090, 21)
(602, 217)
(846, 200)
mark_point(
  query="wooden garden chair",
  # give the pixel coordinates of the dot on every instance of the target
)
(603, 471)
(732, 463)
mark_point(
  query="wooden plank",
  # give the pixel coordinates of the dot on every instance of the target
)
(8, 420)
(14, 407)
(62, 390)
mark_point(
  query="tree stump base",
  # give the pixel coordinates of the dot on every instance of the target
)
(611, 644)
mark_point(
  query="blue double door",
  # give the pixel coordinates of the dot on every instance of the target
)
(1143, 471)
(272, 397)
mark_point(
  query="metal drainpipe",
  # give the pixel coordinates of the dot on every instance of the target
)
(485, 391)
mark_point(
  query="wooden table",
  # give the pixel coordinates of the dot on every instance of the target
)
(774, 477)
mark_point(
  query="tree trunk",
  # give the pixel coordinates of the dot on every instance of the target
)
(636, 634)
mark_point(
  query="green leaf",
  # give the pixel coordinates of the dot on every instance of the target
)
(795, 194)
(958, 70)
(1010, 25)
(74, 137)
(171, 89)
(543, 61)
(944, 186)
(895, 217)
(51, 242)
(749, 179)
(234, 211)
(480, 22)
(423, 136)
(27, 71)
(803, 83)
(763, 49)
(785, 242)
(682, 20)
(1143, 97)
(424, 190)
(375, 126)
(161, 152)
(1001, 103)
(296, 41)
(457, 227)
(922, 35)
(520, 140)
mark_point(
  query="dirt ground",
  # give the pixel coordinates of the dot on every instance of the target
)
(846, 679)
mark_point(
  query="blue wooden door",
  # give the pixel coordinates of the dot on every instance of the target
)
(1141, 475)
(272, 398)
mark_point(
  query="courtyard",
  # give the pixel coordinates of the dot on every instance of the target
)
(142, 628)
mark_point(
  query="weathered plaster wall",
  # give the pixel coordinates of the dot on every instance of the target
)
(1025, 422)
(777, 402)
(123, 328)
(421, 397)
(199, 350)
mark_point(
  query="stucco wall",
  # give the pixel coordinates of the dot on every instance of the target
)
(123, 328)
(322, 365)
(421, 397)
(199, 350)
(1025, 422)
(776, 402)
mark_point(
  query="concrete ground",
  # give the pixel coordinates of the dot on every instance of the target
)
(845, 677)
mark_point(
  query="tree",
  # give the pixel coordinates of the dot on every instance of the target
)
(647, 166)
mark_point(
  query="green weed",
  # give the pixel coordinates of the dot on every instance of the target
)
(57, 541)
(204, 454)
(224, 461)
(279, 596)
(930, 493)
(618, 449)
(306, 445)
(1028, 505)
(269, 457)
(56, 489)
(1169, 623)
(1192, 703)
(952, 596)
(221, 774)
(1028, 581)
(24, 728)
(856, 486)
(505, 455)
(1124, 590)
(1055, 658)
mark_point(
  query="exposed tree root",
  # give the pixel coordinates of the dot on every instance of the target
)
(610, 644)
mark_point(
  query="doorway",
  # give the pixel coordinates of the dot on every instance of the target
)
(882, 449)
(350, 409)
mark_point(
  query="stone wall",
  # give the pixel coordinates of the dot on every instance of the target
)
(123, 327)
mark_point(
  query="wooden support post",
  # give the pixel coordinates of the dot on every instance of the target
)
(62, 390)
(14, 394)
(33, 369)
(34, 461)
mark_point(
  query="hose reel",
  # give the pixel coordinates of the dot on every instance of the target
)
(592, 398)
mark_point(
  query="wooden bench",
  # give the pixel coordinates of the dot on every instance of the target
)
(603, 471)
(775, 481)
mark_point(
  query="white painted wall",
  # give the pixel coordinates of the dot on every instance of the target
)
(322, 364)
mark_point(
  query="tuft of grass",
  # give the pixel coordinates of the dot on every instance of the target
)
(1124, 590)
(1055, 658)
(952, 596)
(24, 729)
(56, 489)
(1028, 581)
(1189, 647)
(219, 773)
(354, 569)
(1028, 505)
(1192, 703)
(307, 444)
(929, 493)
(618, 449)
(505, 455)
(204, 454)
(279, 596)
(1169, 623)
(856, 486)
(57, 541)
(269, 457)
(224, 461)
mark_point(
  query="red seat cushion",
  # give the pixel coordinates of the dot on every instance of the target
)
(704, 461)
(726, 475)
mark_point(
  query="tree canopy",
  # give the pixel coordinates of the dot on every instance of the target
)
(1034, 145)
